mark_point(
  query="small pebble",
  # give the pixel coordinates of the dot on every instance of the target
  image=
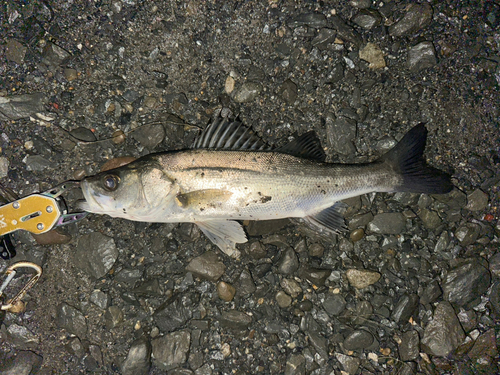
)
(229, 85)
(362, 278)
(283, 299)
(357, 234)
(118, 137)
(225, 291)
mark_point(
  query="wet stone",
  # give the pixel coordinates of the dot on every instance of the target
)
(283, 299)
(360, 220)
(430, 218)
(4, 166)
(431, 293)
(16, 107)
(405, 308)
(71, 319)
(417, 17)
(207, 266)
(316, 20)
(358, 339)
(24, 363)
(341, 132)
(172, 314)
(37, 163)
(477, 200)
(316, 276)
(138, 361)
(236, 320)
(150, 136)
(129, 276)
(409, 348)
(319, 343)
(345, 32)
(388, 223)
(349, 364)
(334, 304)
(288, 91)
(486, 344)
(360, 4)
(70, 74)
(291, 287)
(248, 92)
(171, 351)
(468, 319)
(289, 263)
(95, 254)
(324, 37)
(113, 317)
(21, 337)
(15, 51)
(443, 333)
(295, 365)
(75, 347)
(466, 282)
(83, 134)
(373, 55)
(362, 278)
(421, 56)
(443, 242)
(246, 286)
(357, 234)
(494, 265)
(367, 19)
(225, 291)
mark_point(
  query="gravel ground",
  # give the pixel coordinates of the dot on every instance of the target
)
(412, 288)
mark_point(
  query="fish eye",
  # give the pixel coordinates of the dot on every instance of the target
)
(111, 182)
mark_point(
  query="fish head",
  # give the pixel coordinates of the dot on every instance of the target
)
(136, 191)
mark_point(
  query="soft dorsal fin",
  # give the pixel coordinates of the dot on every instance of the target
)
(306, 146)
(226, 134)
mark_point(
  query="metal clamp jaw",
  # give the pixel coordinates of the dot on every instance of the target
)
(38, 213)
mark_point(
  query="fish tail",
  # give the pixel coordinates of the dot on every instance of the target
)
(406, 159)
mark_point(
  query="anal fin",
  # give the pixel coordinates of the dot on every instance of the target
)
(225, 234)
(331, 218)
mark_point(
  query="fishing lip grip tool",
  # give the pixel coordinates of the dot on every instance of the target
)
(36, 213)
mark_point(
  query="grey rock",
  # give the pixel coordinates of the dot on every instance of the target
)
(75, 347)
(245, 284)
(236, 320)
(15, 51)
(316, 250)
(171, 351)
(409, 348)
(172, 314)
(417, 17)
(477, 200)
(316, 276)
(181, 371)
(113, 317)
(443, 242)
(360, 4)
(345, 32)
(95, 254)
(334, 304)
(388, 223)
(362, 278)
(367, 18)
(374, 55)
(316, 20)
(495, 298)
(349, 364)
(16, 107)
(405, 308)
(443, 333)
(362, 313)
(358, 339)
(149, 288)
(341, 133)
(24, 363)
(430, 218)
(283, 299)
(255, 74)
(431, 293)
(22, 337)
(486, 344)
(288, 91)
(37, 163)
(466, 282)
(324, 37)
(289, 263)
(291, 287)
(207, 266)
(138, 361)
(468, 319)
(53, 55)
(360, 220)
(150, 136)
(129, 275)
(100, 299)
(83, 134)
(71, 319)
(4, 166)
(295, 365)
(494, 265)
(421, 56)
(319, 343)
(248, 92)
(467, 233)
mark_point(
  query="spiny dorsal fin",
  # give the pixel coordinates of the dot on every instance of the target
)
(306, 146)
(226, 134)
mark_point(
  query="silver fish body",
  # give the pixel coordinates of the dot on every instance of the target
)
(215, 187)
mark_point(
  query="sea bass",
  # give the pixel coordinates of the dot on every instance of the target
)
(230, 175)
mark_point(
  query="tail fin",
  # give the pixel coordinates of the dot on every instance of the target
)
(406, 159)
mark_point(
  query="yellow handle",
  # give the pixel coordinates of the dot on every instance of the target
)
(35, 213)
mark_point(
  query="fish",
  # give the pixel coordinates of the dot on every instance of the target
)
(230, 175)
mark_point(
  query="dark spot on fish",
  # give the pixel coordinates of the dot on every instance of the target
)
(319, 186)
(323, 192)
(259, 193)
(202, 209)
(245, 188)
(265, 199)
(336, 185)
(124, 211)
(254, 160)
(202, 174)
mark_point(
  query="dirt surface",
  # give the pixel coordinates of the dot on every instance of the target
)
(83, 82)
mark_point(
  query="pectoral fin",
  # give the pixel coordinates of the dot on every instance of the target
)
(225, 234)
(331, 218)
(203, 199)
